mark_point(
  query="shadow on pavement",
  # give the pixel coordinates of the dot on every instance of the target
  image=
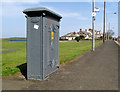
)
(23, 69)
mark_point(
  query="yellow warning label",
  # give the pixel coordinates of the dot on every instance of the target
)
(52, 35)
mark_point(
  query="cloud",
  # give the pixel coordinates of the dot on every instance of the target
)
(12, 11)
(67, 14)
(70, 14)
(37, 1)
(20, 1)
(73, 15)
(15, 10)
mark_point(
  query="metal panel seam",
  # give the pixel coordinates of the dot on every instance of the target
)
(42, 48)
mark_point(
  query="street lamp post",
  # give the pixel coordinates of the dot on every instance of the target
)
(108, 30)
(104, 23)
(93, 25)
(94, 9)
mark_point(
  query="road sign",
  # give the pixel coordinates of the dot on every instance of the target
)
(93, 14)
(96, 9)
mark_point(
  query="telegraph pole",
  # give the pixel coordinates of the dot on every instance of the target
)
(109, 31)
(104, 24)
(93, 26)
(106, 28)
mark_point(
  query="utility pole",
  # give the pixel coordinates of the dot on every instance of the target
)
(93, 26)
(104, 24)
(109, 31)
(108, 35)
(106, 28)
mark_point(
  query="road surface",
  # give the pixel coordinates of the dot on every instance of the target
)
(93, 71)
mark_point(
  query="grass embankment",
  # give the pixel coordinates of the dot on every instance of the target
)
(71, 50)
(10, 61)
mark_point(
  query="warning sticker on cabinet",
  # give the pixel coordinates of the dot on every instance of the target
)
(36, 26)
(52, 35)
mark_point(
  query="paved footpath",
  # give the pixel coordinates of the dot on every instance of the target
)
(93, 71)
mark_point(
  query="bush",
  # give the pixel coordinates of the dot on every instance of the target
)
(101, 37)
(87, 39)
(82, 37)
(77, 39)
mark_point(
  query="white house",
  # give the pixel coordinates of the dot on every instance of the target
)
(69, 36)
(87, 34)
(98, 34)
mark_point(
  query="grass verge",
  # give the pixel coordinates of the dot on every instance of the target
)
(68, 51)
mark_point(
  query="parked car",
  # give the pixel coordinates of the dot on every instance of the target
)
(116, 39)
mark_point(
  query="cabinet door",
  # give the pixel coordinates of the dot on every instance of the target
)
(51, 40)
(34, 48)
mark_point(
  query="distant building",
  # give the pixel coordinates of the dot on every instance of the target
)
(69, 36)
(86, 33)
(98, 34)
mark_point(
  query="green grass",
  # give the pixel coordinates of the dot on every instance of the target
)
(3, 50)
(10, 61)
(71, 50)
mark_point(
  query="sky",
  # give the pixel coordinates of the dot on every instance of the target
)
(75, 16)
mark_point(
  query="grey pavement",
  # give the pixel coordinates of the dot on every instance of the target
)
(92, 71)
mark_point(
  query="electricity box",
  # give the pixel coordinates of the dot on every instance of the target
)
(42, 42)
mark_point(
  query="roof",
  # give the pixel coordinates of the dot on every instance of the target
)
(40, 10)
(68, 36)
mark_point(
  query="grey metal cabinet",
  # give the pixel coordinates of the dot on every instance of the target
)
(42, 42)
